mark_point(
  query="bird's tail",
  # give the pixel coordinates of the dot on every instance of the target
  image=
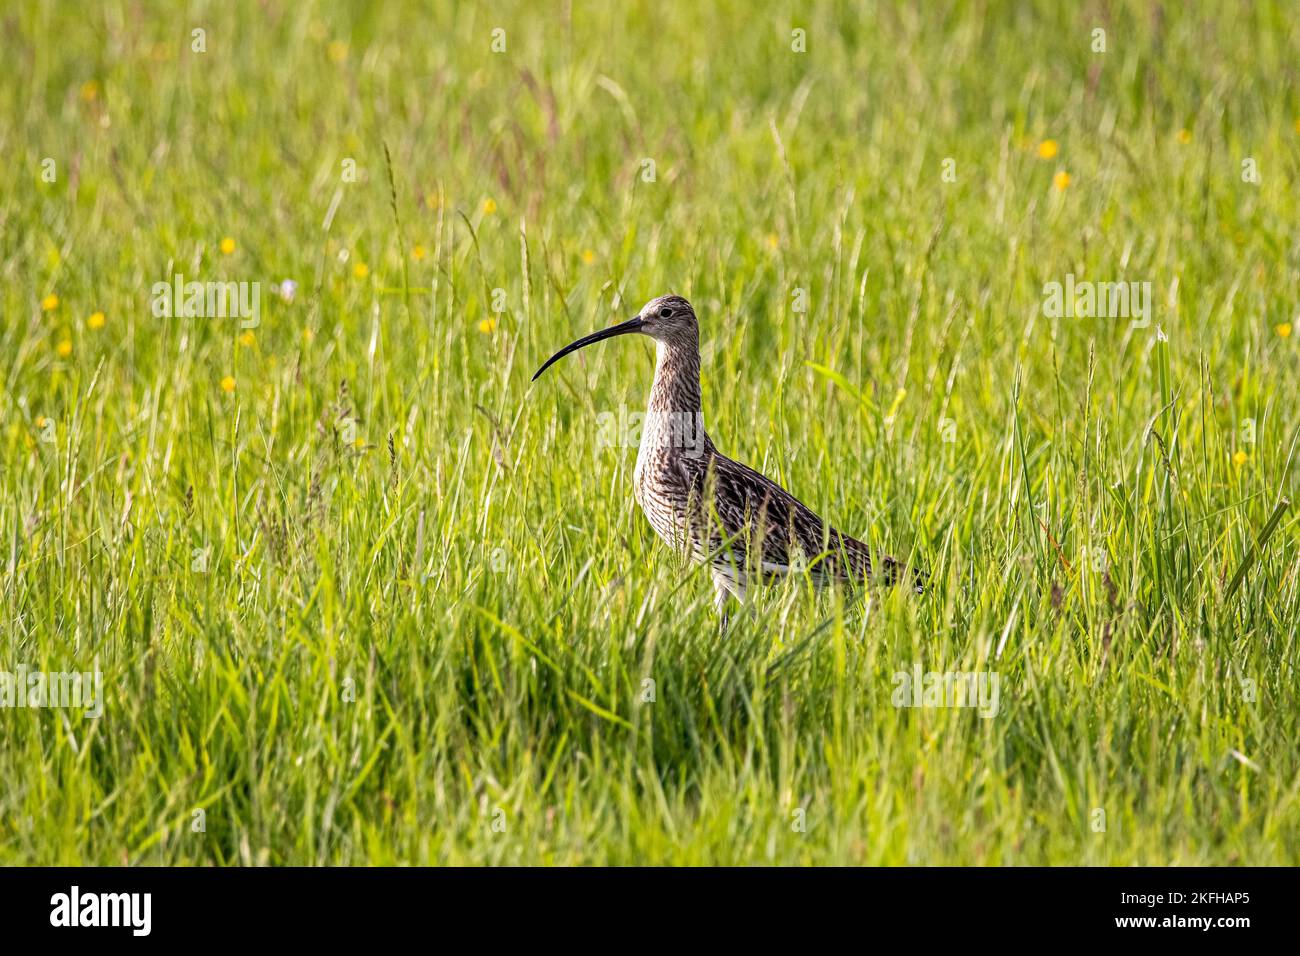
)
(863, 564)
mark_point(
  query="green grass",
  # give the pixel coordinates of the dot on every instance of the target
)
(399, 642)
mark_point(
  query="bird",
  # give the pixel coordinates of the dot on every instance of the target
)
(711, 508)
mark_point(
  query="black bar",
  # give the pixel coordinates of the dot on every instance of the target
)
(561, 906)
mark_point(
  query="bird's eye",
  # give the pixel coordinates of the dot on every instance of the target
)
(665, 313)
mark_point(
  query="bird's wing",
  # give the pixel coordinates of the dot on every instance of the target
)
(757, 524)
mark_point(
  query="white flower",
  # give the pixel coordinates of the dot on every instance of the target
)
(286, 289)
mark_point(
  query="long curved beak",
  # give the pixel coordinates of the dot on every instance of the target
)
(623, 328)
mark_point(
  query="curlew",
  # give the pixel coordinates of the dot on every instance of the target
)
(715, 510)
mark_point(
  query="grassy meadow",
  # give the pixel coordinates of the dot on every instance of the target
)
(361, 594)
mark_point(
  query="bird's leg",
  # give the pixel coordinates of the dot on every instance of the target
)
(722, 605)
(724, 586)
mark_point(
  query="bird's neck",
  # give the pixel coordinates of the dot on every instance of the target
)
(674, 417)
(676, 386)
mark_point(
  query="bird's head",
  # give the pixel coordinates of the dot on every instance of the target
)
(669, 319)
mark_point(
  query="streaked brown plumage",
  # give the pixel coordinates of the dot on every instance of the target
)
(704, 504)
